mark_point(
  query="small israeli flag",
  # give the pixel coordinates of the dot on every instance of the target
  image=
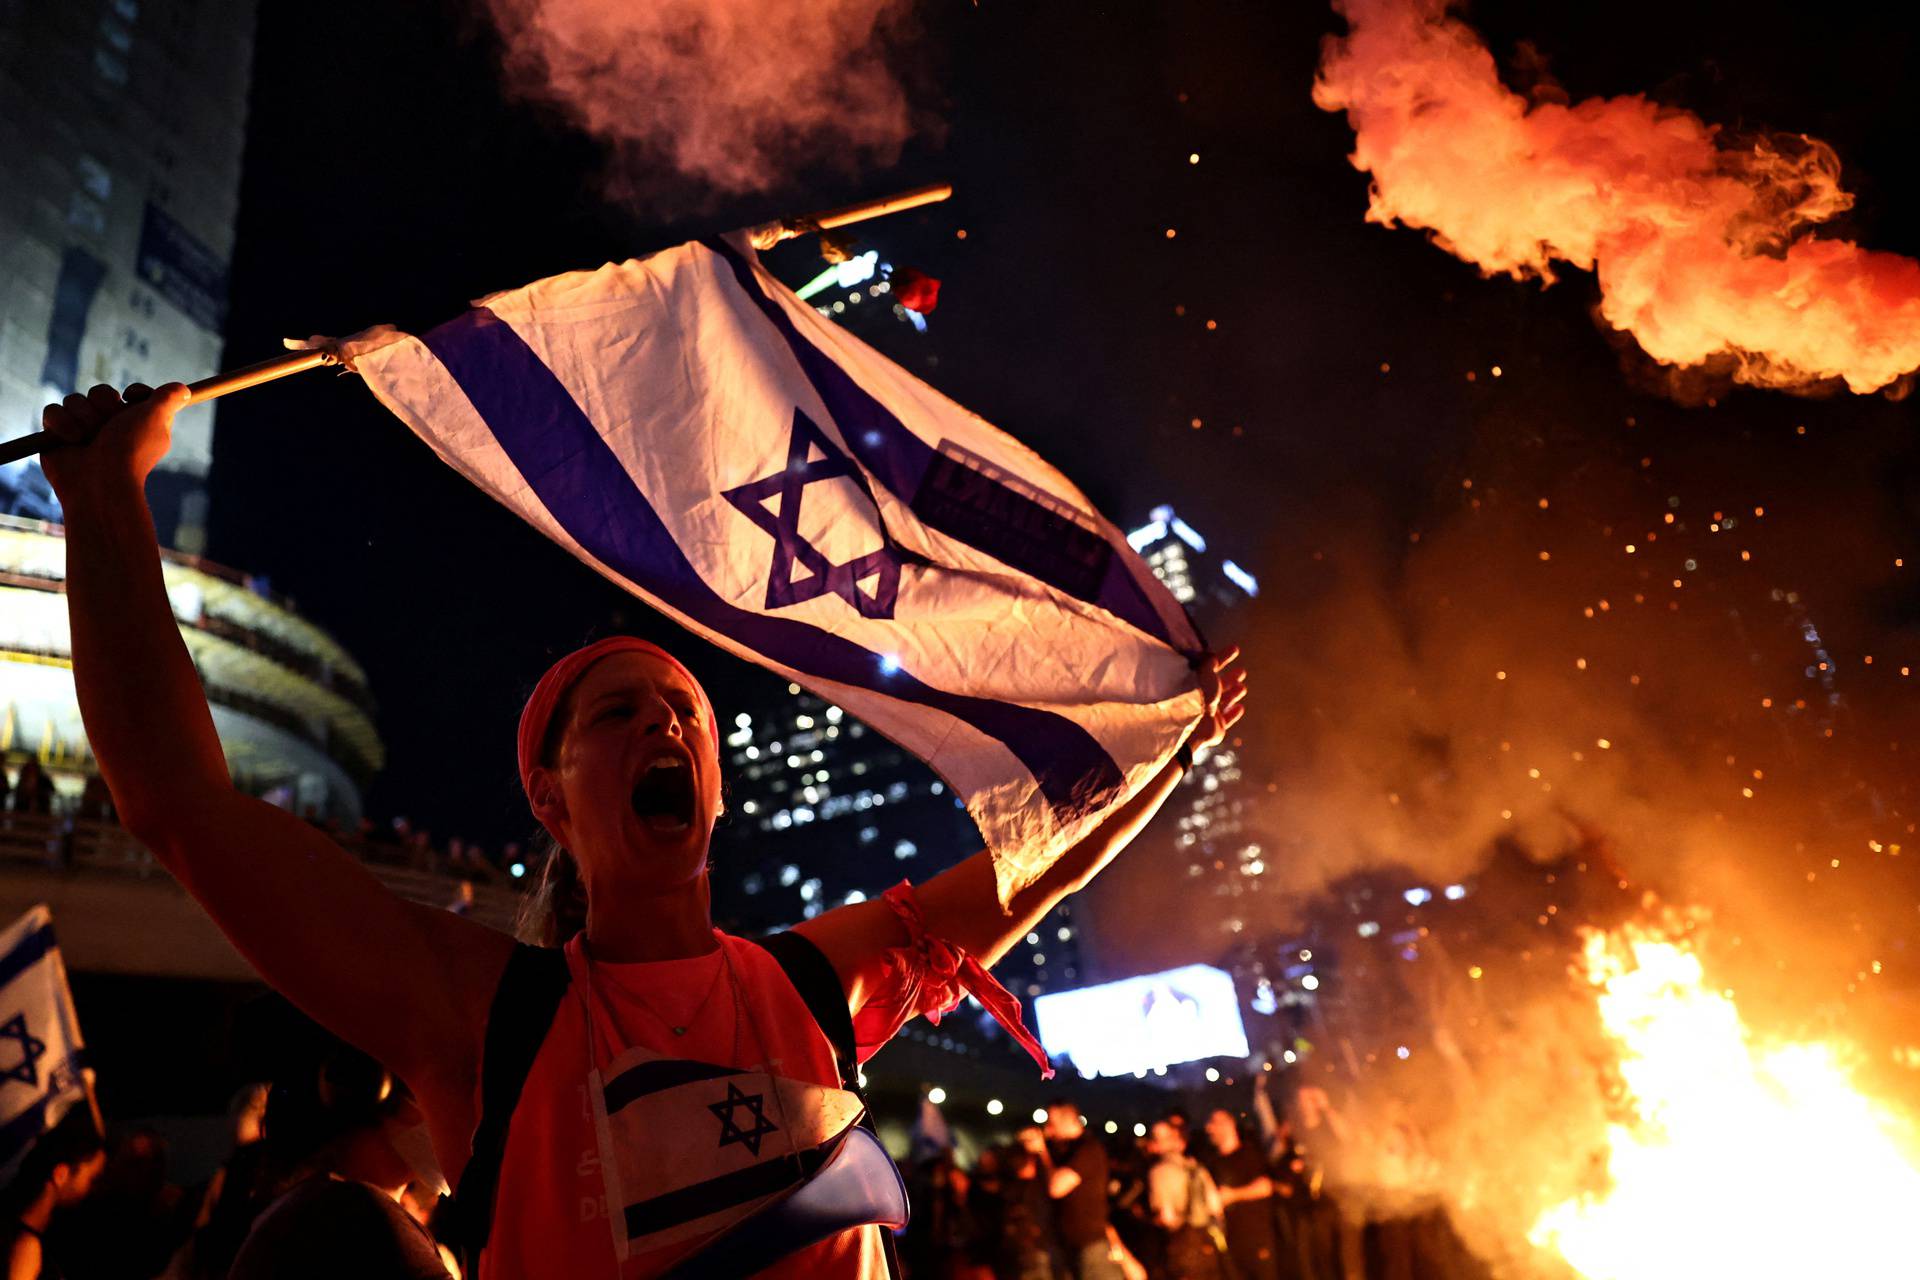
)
(692, 430)
(41, 1052)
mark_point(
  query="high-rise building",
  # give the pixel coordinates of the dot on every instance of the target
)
(1202, 843)
(122, 124)
(121, 128)
(826, 811)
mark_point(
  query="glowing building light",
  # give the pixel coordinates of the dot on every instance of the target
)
(1147, 534)
(1240, 577)
(1039, 1115)
(1418, 897)
(936, 1095)
(1455, 892)
(1188, 534)
(995, 1106)
(1310, 982)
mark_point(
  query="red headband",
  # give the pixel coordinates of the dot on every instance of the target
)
(564, 674)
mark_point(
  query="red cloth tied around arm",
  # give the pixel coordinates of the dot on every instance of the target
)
(930, 976)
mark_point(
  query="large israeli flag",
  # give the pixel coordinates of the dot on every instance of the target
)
(41, 1052)
(692, 430)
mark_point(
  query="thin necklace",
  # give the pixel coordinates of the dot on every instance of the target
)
(712, 986)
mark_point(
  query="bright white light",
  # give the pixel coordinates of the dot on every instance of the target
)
(1213, 1075)
(918, 321)
(855, 895)
(517, 870)
(1403, 1053)
(1139, 1131)
(743, 720)
(1455, 892)
(1289, 1056)
(1039, 1115)
(1188, 534)
(1113, 1126)
(789, 874)
(889, 663)
(1161, 512)
(1311, 982)
(1131, 1026)
(1147, 534)
(995, 1106)
(1418, 897)
(936, 1095)
(1368, 928)
(1240, 577)
(857, 269)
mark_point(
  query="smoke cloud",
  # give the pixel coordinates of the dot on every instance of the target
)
(735, 94)
(1593, 688)
(1701, 242)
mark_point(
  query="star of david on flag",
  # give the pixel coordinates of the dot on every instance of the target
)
(773, 503)
(688, 428)
(689, 1149)
(41, 1050)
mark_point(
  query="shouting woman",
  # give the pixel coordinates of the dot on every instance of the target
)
(527, 1060)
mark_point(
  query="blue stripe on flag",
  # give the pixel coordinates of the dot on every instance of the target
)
(960, 500)
(26, 953)
(651, 1077)
(583, 485)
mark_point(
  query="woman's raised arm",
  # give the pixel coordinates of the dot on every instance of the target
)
(961, 904)
(408, 984)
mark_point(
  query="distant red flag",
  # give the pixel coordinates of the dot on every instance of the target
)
(916, 290)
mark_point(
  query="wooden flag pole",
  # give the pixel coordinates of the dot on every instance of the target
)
(764, 236)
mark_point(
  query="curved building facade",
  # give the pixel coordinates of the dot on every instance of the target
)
(290, 704)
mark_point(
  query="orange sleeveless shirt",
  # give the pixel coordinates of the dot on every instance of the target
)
(550, 1211)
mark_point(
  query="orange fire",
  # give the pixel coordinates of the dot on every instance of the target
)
(1702, 242)
(1735, 1157)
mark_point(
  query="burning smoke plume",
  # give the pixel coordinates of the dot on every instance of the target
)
(1701, 243)
(1581, 680)
(736, 94)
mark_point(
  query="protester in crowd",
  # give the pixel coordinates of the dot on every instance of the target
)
(1028, 1245)
(340, 1144)
(96, 802)
(1129, 1213)
(232, 1196)
(133, 1220)
(1186, 1204)
(32, 790)
(947, 1238)
(1246, 1195)
(619, 757)
(57, 1175)
(1077, 1183)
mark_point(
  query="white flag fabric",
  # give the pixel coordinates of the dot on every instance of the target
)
(41, 1052)
(692, 430)
(667, 1181)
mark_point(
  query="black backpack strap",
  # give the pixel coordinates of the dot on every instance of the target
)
(812, 975)
(523, 1007)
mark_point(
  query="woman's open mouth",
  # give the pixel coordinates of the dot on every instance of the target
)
(664, 796)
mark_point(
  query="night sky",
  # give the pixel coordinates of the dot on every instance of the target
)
(387, 180)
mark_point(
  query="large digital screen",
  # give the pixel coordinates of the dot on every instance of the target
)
(1137, 1024)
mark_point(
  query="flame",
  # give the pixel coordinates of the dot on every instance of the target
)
(1736, 1158)
(1699, 241)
